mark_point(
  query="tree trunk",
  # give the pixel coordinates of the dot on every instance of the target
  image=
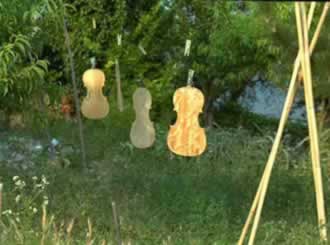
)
(208, 107)
(75, 93)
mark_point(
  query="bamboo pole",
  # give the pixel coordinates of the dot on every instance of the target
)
(315, 151)
(312, 125)
(116, 223)
(1, 188)
(285, 112)
(319, 27)
(284, 117)
(119, 91)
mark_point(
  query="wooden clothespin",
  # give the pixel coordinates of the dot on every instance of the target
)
(94, 23)
(190, 77)
(93, 62)
(119, 39)
(187, 48)
(143, 51)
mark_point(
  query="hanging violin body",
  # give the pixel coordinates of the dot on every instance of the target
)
(142, 132)
(186, 137)
(95, 105)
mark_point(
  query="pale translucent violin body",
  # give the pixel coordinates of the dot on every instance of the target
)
(142, 133)
(186, 137)
(95, 105)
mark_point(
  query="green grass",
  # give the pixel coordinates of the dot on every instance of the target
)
(161, 197)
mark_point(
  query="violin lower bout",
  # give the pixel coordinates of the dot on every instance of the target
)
(142, 135)
(189, 143)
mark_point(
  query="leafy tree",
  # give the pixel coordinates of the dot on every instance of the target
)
(21, 71)
(231, 42)
(280, 18)
(229, 46)
(143, 26)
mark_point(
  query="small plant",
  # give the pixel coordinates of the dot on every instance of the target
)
(23, 210)
(27, 200)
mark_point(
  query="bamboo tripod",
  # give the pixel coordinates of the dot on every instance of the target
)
(302, 61)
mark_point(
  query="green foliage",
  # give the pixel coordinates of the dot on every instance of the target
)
(229, 46)
(161, 28)
(280, 19)
(245, 36)
(141, 28)
(21, 72)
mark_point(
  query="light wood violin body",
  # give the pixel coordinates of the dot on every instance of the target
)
(142, 133)
(95, 105)
(186, 137)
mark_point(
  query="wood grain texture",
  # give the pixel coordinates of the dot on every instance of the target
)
(142, 132)
(186, 137)
(95, 105)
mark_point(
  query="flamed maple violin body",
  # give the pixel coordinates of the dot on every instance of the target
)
(186, 137)
(95, 105)
(142, 133)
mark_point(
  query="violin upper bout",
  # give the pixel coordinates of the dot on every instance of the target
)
(93, 78)
(95, 105)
